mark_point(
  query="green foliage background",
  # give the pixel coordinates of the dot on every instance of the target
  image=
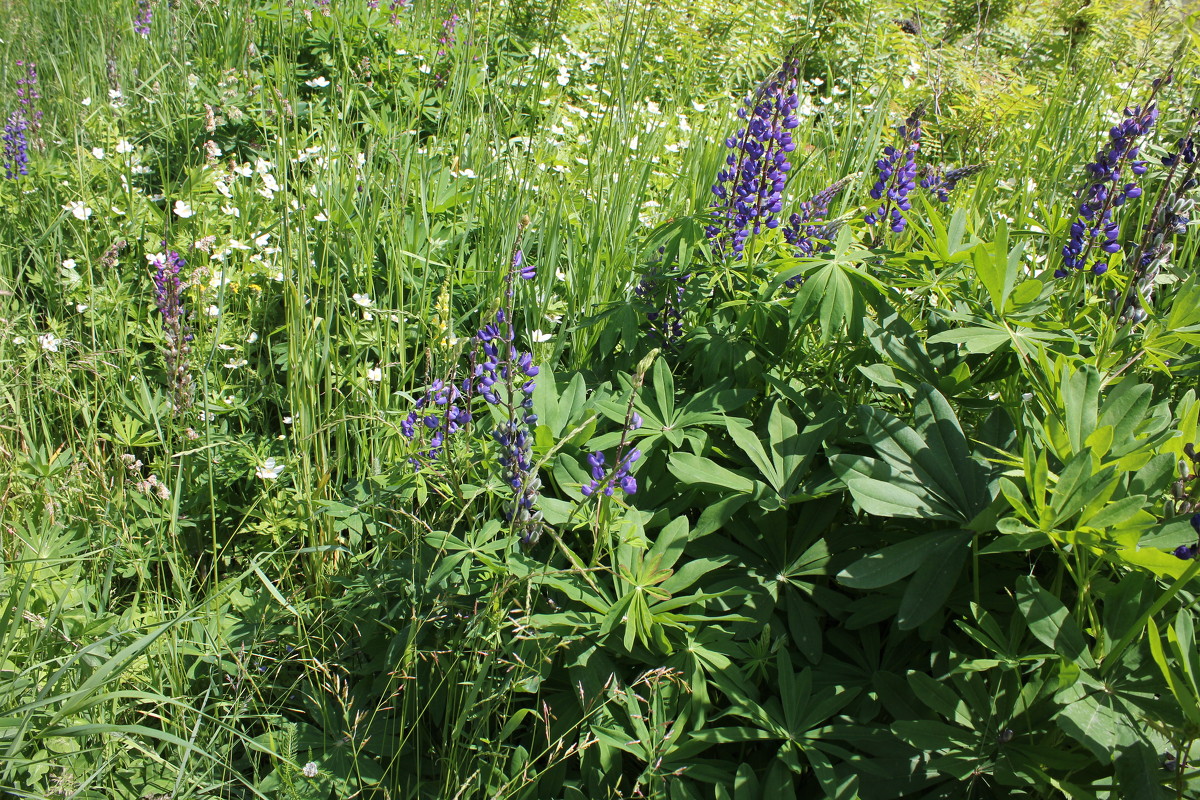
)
(903, 531)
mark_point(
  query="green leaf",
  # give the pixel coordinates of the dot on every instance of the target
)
(1115, 513)
(890, 564)
(995, 269)
(1093, 724)
(752, 446)
(976, 340)
(696, 470)
(669, 544)
(934, 580)
(931, 736)
(879, 490)
(1051, 623)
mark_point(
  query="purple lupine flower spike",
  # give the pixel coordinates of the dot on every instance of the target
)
(1093, 235)
(941, 184)
(1170, 217)
(897, 176)
(20, 123)
(168, 291)
(447, 40)
(749, 191)
(808, 231)
(16, 146)
(141, 23)
(442, 411)
(504, 378)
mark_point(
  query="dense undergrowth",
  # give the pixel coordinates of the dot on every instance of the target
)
(580, 400)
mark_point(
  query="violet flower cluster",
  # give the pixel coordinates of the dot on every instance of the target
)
(1170, 218)
(16, 146)
(525, 272)
(662, 290)
(24, 120)
(440, 412)
(168, 291)
(1094, 233)
(505, 378)
(27, 94)
(604, 480)
(395, 7)
(808, 230)
(941, 184)
(447, 40)
(897, 176)
(141, 23)
(749, 191)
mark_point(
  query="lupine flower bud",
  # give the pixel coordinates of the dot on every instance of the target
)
(808, 231)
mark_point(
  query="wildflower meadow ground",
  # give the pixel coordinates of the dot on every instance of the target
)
(564, 400)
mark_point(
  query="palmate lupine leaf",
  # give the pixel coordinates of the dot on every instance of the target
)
(924, 472)
(930, 463)
(835, 289)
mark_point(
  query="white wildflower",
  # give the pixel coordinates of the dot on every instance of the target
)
(79, 210)
(269, 471)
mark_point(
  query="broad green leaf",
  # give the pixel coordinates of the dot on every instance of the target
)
(1094, 724)
(977, 340)
(752, 446)
(696, 470)
(669, 544)
(890, 564)
(996, 271)
(1051, 623)
(1115, 513)
(934, 580)
(931, 736)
